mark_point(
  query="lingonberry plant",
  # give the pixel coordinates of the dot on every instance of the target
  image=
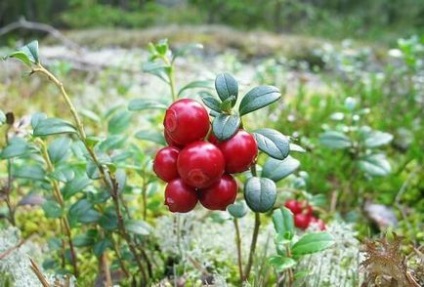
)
(211, 157)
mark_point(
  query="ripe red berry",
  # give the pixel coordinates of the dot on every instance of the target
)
(170, 141)
(318, 222)
(200, 164)
(294, 206)
(219, 195)
(302, 220)
(186, 121)
(165, 163)
(307, 209)
(239, 152)
(180, 197)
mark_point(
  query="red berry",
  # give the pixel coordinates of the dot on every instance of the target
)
(186, 121)
(239, 152)
(219, 195)
(165, 163)
(180, 197)
(318, 222)
(302, 220)
(200, 164)
(294, 206)
(170, 141)
(307, 209)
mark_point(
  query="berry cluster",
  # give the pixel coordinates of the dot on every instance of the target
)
(303, 214)
(198, 167)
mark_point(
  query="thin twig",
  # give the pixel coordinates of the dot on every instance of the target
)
(38, 273)
(238, 244)
(252, 246)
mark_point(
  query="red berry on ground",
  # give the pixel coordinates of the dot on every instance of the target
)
(180, 197)
(302, 220)
(294, 206)
(219, 195)
(318, 222)
(186, 121)
(165, 163)
(200, 164)
(239, 152)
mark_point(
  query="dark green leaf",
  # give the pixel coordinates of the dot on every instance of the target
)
(273, 143)
(17, 147)
(278, 169)
(100, 247)
(36, 118)
(311, 243)
(145, 104)
(109, 221)
(59, 149)
(210, 101)
(139, 227)
(257, 98)
(52, 126)
(79, 208)
(63, 173)
(52, 209)
(119, 122)
(86, 239)
(151, 135)
(195, 85)
(281, 263)
(283, 223)
(375, 165)
(74, 186)
(28, 54)
(226, 86)
(34, 172)
(225, 126)
(335, 139)
(92, 170)
(238, 209)
(121, 179)
(90, 216)
(260, 194)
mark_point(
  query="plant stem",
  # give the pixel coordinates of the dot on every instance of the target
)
(238, 244)
(252, 246)
(171, 77)
(58, 197)
(104, 175)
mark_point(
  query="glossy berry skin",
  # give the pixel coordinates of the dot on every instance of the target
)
(219, 195)
(294, 206)
(302, 220)
(170, 141)
(180, 197)
(186, 121)
(200, 164)
(165, 163)
(239, 152)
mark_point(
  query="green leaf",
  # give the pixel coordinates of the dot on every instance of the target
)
(74, 186)
(377, 138)
(278, 169)
(283, 222)
(295, 147)
(312, 243)
(92, 170)
(59, 149)
(100, 247)
(2, 118)
(151, 135)
(79, 209)
(109, 221)
(113, 142)
(226, 86)
(195, 85)
(225, 126)
(210, 101)
(375, 165)
(90, 216)
(273, 143)
(157, 69)
(52, 209)
(86, 239)
(238, 209)
(121, 179)
(28, 54)
(17, 147)
(181, 51)
(139, 227)
(257, 98)
(281, 263)
(36, 118)
(119, 122)
(335, 140)
(145, 104)
(53, 126)
(34, 172)
(260, 194)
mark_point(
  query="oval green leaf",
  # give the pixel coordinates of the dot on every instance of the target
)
(17, 147)
(260, 194)
(225, 126)
(377, 138)
(281, 263)
(257, 98)
(238, 209)
(283, 223)
(53, 126)
(139, 227)
(145, 104)
(375, 165)
(226, 86)
(273, 143)
(59, 149)
(311, 243)
(210, 101)
(278, 169)
(335, 140)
